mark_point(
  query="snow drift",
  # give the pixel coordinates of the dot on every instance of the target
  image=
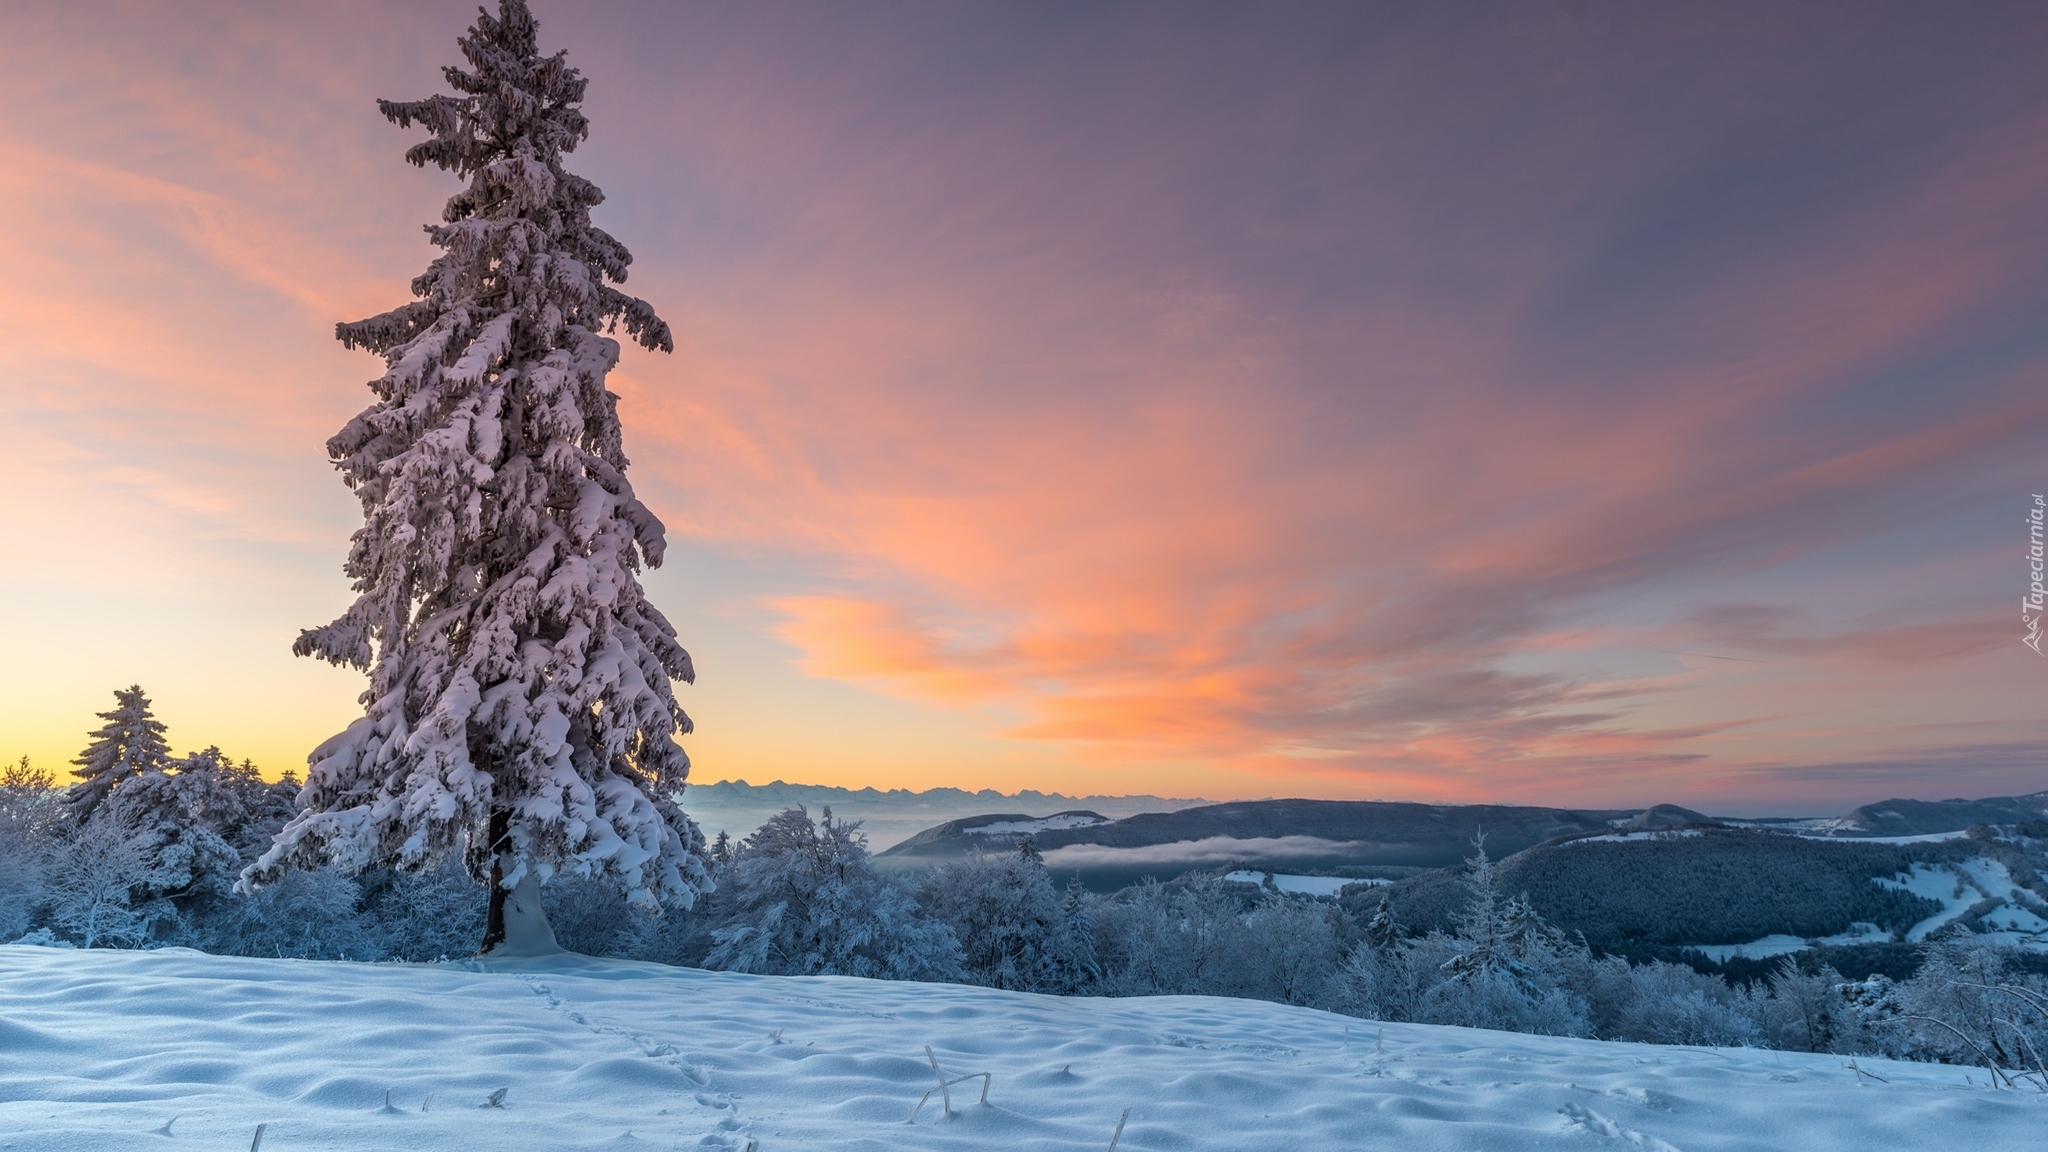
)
(168, 1049)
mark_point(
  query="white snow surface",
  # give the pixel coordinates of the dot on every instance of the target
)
(1781, 944)
(1860, 932)
(1639, 837)
(527, 931)
(1304, 885)
(1208, 850)
(1922, 838)
(1774, 945)
(175, 1049)
(1041, 824)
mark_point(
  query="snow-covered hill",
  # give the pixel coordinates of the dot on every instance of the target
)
(175, 1049)
(736, 807)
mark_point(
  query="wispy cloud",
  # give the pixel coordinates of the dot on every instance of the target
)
(1336, 403)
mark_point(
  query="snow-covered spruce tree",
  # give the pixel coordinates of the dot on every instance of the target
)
(179, 819)
(1503, 972)
(1078, 968)
(520, 704)
(130, 743)
(1382, 932)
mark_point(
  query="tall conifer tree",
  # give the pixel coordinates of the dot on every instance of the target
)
(520, 701)
(130, 743)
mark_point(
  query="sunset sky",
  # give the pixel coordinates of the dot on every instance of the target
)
(1574, 403)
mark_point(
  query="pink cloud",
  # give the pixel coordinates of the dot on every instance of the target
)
(1278, 402)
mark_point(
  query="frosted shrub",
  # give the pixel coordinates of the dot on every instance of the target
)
(1158, 939)
(91, 886)
(430, 915)
(1809, 1012)
(803, 899)
(1489, 1001)
(593, 918)
(1377, 983)
(1874, 1008)
(30, 818)
(1604, 984)
(31, 804)
(1969, 1005)
(310, 915)
(1013, 929)
(1672, 1004)
(1292, 953)
(21, 885)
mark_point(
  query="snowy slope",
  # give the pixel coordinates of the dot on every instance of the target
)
(174, 1049)
(1960, 886)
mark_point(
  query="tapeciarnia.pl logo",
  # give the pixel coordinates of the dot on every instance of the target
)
(2037, 597)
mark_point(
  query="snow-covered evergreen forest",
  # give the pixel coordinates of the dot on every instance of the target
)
(142, 850)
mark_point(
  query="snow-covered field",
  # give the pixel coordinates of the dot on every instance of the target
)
(1777, 944)
(1305, 885)
(175, 1049)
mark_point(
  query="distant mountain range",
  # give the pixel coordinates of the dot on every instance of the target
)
(1929, 817)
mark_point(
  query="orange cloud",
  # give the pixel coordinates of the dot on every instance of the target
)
(1446, 423)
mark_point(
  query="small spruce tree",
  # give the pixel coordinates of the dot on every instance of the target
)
(520, 706)
(1076, 968)
(1487, 957)
(130, 743)
(1382, 932)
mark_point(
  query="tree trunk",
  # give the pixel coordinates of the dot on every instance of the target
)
(516, 924)
(494, 919)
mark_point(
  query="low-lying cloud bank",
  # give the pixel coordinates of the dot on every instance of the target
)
(1211, 850)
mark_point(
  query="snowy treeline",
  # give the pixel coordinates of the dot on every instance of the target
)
(801, 897)
(143, 850)
(153, 864)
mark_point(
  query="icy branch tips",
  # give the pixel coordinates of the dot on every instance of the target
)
(520, 703)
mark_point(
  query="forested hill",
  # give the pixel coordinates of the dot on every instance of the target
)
(1272, 834)
(1653, 897)
(1931, 817)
